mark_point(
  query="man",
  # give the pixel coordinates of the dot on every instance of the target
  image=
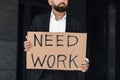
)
(56, 21)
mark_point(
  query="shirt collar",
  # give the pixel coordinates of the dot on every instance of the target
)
(53, 16)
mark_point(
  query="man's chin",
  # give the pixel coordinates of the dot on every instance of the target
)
(60, 9)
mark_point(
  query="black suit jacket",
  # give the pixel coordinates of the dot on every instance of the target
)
(41, 23)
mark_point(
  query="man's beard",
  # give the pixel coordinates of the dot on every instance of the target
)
(60, 8)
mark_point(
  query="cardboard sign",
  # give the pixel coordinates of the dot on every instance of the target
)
(56, 50)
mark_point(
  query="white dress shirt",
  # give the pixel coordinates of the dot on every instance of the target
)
(57, 25)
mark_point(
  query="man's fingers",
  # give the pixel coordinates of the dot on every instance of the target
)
(27, 45)
(26, 49)
(84, 69)
(84, 66)
(26, 37)
(26, 42)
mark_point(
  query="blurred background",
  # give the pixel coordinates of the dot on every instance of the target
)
(100, 18)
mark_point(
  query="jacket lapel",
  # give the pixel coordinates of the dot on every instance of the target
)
(69, 24)
(47, 22)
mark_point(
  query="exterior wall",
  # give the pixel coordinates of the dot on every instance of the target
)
(8, 39)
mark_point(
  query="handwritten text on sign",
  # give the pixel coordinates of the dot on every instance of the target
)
(56, 51)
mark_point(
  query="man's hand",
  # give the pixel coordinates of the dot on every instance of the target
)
(27, 45)
(85, 66)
